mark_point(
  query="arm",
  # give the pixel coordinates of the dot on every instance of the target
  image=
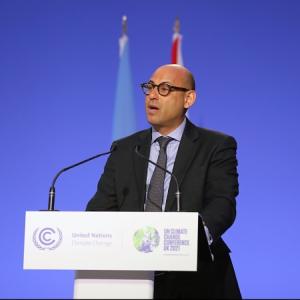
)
(221, 188)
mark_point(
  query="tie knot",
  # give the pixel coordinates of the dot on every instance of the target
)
(164, 141)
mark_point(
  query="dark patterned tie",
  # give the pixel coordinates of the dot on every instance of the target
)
(156, 187)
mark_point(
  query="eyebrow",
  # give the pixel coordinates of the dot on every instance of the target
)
(168, 82)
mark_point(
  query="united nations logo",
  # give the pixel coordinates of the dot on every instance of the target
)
(47, 238)
(146, 239)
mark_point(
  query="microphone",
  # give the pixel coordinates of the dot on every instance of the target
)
(51, 200)
(177, 194)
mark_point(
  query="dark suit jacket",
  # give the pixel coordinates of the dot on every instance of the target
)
(205, 167)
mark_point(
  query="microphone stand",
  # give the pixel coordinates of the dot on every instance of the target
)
(51, 199)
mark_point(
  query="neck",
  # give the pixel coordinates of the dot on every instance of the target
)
(165, 130)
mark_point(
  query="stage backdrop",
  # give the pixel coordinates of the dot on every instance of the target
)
(58, 76)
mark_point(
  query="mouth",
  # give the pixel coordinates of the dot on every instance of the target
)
(152, 108)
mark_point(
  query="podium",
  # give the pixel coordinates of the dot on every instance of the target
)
(114, 254)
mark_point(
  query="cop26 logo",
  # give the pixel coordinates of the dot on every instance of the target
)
(47, 238)
(146, 239)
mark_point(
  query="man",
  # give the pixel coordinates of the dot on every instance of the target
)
(204, 163)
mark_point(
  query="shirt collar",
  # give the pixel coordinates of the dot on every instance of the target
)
(175, 134)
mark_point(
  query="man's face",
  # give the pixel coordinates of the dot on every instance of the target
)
(165, 113)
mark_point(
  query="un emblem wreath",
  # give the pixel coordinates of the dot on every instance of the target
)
(42, 241)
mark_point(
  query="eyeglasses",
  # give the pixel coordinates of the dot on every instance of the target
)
(164, 89)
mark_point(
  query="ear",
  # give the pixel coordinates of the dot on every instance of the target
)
(190, 98)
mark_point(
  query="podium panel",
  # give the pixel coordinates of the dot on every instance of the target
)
(114, 254)
(140, 241)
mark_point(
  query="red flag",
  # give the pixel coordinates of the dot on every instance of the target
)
(176, 55)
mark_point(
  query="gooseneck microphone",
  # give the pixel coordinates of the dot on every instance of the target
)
(51, 200)
(177, 194)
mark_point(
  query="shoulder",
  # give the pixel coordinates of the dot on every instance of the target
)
(209, 136)
(217, 136)
(134, 139)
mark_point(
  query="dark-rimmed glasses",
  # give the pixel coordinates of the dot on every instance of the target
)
(164, 89)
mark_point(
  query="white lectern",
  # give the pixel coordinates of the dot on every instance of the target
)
(114, 253)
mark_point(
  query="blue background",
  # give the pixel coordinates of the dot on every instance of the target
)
(58, 71)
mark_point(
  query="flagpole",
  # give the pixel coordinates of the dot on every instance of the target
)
(124, 25)
(176, 27)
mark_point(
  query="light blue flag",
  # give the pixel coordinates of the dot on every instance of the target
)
(124, 120)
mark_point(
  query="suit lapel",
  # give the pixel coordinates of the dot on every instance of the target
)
(140, 165)
(185, 154)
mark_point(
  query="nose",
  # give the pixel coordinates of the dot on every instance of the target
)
(153, 93)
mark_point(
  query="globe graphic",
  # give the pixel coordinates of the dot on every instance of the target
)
(146, 239)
